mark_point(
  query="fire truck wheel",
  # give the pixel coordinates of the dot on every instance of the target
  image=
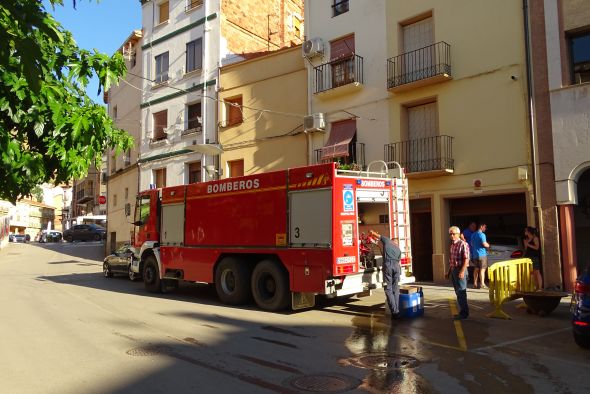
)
(270, 286)
(232, 281)
(151, 275)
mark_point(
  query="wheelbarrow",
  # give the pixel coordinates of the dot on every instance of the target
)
(542, 302)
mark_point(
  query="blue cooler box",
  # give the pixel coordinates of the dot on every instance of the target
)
(411, 303)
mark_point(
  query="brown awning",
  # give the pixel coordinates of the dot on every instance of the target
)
(340, 136)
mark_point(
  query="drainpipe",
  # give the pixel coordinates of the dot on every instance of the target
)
(531, 111)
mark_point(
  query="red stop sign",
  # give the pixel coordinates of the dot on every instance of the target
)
(102, 199)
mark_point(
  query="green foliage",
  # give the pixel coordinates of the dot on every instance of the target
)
(50, 130)
(37, 192)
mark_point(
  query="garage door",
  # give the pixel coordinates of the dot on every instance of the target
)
(504, 214)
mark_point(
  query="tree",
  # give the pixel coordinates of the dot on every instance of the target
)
(50, 130)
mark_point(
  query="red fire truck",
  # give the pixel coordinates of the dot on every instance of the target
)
(280, 238)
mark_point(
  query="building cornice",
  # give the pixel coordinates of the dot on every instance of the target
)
(179, 31)
(178, 94)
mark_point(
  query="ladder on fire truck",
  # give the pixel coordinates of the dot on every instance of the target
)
(400, 231)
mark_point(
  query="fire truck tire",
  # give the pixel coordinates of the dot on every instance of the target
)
(270, 286)
(232, 281)
(151, 275)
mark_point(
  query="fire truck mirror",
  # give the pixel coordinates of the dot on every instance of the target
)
(137, 223)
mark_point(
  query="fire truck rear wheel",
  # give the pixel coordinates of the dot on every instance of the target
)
(151, 275)
(270, 286)
(232, 281)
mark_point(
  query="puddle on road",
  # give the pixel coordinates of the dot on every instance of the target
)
(415, 355)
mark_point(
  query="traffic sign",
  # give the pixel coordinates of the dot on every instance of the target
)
(102, 199)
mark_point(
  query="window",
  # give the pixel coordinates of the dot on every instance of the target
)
(580, 58)
(162, 67)
(160, 123)
(160, 177)
(193, 4)
(142, 208)
(163, 11)
(342, 138)
(114, 200)
(115, 112)
(194, 55)
(342, 60)
(127, 157)
(421, 151)
(234, 110)
(113, 163)
(297, 25)
(126, 193)
(236, 168)
(419, 55)
(383, 219)
(339, 7)
(194, 172)
(194, 117)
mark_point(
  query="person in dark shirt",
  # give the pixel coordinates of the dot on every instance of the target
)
(391, 271)
(532, 247)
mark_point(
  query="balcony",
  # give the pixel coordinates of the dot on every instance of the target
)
(422, 67)
(85, 194)
(356, 155)
(424, 157)
(340, 76)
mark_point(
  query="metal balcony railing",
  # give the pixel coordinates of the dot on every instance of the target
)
(422, 155)
(356, 154)
(84, 194)
(338, 73)
(419, 64)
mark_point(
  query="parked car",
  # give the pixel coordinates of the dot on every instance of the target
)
(17, 238)
(85, 232)
(581, 309)
(504, 247)
(119, 262)
(50, 236)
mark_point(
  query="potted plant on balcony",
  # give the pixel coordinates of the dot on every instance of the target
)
(349, 166)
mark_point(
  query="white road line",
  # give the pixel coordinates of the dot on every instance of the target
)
(483, 349)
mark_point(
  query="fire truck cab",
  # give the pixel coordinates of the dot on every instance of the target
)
(279, 238)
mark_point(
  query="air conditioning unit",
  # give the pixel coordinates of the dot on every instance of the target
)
(313, 47)
(315, 122)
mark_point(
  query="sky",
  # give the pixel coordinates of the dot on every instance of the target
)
(101, 25)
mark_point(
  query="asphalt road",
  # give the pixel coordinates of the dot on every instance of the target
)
(64, 328)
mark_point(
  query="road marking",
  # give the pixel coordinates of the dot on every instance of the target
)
(458, 326)
(483, 349)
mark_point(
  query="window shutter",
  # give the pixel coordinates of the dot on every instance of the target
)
(342, 47)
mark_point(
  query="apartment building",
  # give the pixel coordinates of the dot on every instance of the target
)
(184, 44)
(561, 43)
(267, 132)
(122, 172)
(442, 90)
(86, 193)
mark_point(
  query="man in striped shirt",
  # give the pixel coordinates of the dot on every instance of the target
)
(458, 263)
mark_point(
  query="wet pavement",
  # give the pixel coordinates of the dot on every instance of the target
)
(66, 329)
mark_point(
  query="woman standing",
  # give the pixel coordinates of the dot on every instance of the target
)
(532, 247)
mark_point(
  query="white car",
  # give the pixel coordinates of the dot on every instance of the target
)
(504, 247)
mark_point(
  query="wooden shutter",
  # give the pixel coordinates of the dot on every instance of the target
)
(342, 48)
(234, 112)
(236, 168)
(164, 12)
(418, 35)
(160, 123)
(194, 172)
(422, 121)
